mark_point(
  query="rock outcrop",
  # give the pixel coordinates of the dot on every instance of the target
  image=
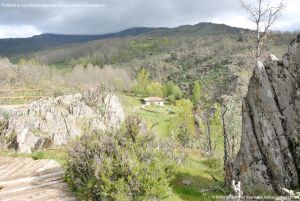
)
(53, 122)
(269, 156)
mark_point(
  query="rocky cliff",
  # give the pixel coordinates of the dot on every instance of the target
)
(269, 156)
(53, 122)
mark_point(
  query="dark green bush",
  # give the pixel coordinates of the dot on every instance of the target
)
(122, 165)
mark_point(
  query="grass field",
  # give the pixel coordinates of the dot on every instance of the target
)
(159, 120)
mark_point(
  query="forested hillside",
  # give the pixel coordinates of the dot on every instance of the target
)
(182, 55)
(23, 46)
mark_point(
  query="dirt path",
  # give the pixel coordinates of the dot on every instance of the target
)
(24, 179)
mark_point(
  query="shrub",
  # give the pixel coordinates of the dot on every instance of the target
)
(143, 80)
(4, 119)
(197, 89)
(154, 89)
(121, 165)
(184, 122)
(171, 98)
(170, 89)
(93, 76)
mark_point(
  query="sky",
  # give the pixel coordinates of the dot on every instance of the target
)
(25, 18)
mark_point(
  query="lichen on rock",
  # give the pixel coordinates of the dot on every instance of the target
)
(52, 122)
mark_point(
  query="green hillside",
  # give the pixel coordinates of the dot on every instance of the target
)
(212, 53)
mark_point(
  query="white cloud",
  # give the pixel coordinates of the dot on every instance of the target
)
(121, 14)
(292, 6)
(233, 19)
(288, 21)
(17, 31)
(290, 17)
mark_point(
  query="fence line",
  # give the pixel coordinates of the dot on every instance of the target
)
(18, 90)
(11, 97)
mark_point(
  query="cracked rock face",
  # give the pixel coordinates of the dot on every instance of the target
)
(53, 122)
(269, 156)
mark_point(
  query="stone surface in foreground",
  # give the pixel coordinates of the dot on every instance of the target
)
(27, 179)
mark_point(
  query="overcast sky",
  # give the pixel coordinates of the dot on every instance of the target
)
(106, 16)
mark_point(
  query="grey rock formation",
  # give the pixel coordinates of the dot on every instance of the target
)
(269, 156)
(108, 106)
(53, 122)
(113, 116)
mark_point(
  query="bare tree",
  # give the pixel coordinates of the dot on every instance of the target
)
(227, 166)
(264, 15)
(231, 122)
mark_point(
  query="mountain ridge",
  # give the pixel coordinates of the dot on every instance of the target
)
(15, 46)
(22, 46)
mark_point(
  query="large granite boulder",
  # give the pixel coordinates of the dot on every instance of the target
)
(269, 156)
(113, 114)
(52, 122)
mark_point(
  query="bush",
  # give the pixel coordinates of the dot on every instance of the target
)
(154, 89)
(171, 98)
(122, 165)
(184, 122)
(143, 80)
(172, 90)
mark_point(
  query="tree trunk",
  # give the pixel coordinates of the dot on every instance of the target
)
(208, 136)
(227, 162)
